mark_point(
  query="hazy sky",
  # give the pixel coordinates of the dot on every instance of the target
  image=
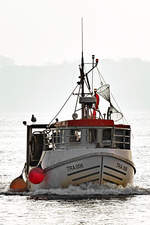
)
(45, 88)
(41, 31)
(40, 49)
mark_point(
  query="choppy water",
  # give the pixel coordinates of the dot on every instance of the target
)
(76, 205)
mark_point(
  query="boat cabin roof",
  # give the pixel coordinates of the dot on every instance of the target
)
(90, 123)
(81, 123)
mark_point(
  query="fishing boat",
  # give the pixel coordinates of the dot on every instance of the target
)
(93, 146)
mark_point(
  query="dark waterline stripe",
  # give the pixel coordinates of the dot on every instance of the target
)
(79, 171)
(94, 180)
(115, 170)
(109, 181)
(91, 174)
(111, 175)
(101, 170)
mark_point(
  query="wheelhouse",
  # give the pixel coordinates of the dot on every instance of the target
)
(100, 135)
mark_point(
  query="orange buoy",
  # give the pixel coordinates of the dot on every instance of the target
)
(18, 185)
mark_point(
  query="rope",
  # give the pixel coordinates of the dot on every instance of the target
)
(100, 75)
(63, 105)
(41, 159)
(77, 99)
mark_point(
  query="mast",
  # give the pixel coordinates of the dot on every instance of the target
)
(82, 69)
(86, 102)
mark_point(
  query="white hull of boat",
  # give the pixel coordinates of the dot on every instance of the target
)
(96, 167)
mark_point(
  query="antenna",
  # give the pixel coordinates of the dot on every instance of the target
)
(82, 58)
(82, 32)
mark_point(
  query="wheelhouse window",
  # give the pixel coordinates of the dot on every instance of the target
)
(122, 138)
(92, 135)
(75, 135)
(107, 137)
(107, 134)
(56, 136)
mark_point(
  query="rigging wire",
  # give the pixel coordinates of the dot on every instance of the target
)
(100, 75)
(77, 99)
(63, 106)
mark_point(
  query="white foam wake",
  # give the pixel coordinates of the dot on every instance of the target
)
(93, 190)
(83, 191)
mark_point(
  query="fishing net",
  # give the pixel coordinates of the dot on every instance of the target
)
(104, 91)
(112, 113)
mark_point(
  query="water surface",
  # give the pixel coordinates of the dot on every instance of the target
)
(87, 204)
